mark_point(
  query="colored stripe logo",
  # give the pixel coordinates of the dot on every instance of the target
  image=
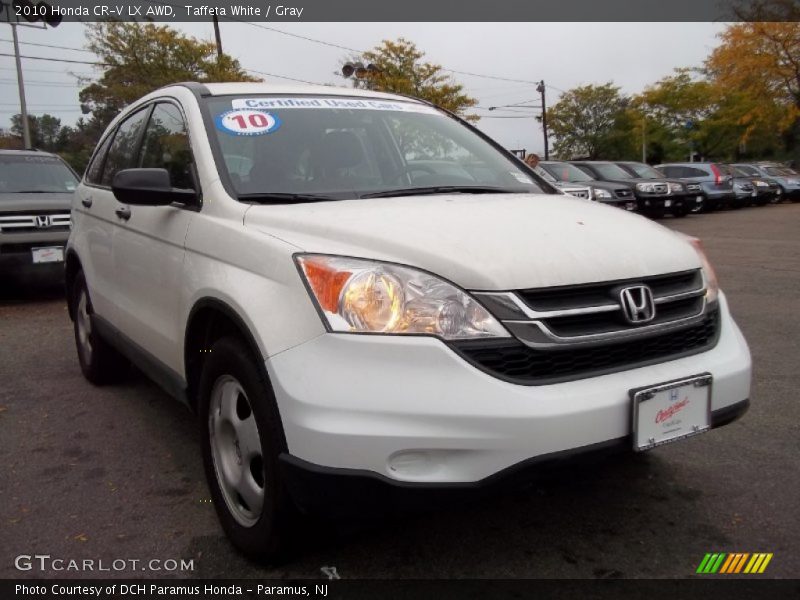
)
(734, 562)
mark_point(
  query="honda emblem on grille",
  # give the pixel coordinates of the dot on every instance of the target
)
(637, 304)
(42, 221)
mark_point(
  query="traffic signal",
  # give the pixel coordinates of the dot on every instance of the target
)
(37, 11)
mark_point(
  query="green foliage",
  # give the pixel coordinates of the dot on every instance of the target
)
(402, 71)
(593, 122)
(142, 57)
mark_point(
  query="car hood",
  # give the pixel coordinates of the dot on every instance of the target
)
(14, 202)
(485, 242)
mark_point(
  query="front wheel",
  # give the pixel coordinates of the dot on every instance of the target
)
(680, 212)
(242, 437)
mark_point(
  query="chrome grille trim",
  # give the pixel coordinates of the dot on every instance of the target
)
(28, 223)
(547, 339)
(561, 328)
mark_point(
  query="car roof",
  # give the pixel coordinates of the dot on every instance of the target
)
(27, 153)
(248, 88)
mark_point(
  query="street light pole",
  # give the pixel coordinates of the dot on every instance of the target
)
(541, 89)
(26, 130)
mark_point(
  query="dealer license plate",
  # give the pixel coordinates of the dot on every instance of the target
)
(48, 255)
(671, 411)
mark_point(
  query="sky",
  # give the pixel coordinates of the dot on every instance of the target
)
(564, 55)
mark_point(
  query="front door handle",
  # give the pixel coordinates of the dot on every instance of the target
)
(123, 212)
(87, 202)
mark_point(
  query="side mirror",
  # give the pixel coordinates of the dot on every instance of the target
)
(148, 187)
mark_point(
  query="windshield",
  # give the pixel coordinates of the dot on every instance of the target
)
(610, 171)
(341, 147)
(565, 172)
(780, 171)
(645, 171)
(745, 170)
(35, 174)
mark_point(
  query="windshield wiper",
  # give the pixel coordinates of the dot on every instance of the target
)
(285, 198)
(440, 189)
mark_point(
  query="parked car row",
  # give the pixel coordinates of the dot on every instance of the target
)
(674, 188)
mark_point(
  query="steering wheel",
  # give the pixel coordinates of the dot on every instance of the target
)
(408, 169)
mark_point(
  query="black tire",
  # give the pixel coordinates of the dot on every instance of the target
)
(262, 534)
(681, 212)
(100, 362)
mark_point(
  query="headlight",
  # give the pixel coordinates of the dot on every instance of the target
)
(648, 188)
(362, 296)
(675, 187)
(760, 183)
(599, 193)
(709, 276)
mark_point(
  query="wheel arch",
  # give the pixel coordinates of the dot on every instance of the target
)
(209, 320)
(72, 267)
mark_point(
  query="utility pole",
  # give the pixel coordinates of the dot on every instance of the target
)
(541, 89)
(217, 36)
(26, 129)
(644, 139)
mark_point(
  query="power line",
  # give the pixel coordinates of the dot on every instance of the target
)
(64, 60)
(45, 83)
(50, 46)
(280, 76)
(46, 71)
(349, 49)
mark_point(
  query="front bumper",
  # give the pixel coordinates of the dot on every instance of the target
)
(354, 492)
(16, 255)
(409, 409)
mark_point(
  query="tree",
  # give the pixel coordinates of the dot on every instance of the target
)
(592, 121)
(684, 113)
(761, 62)
(402, 71)
(139, 58)
(45, 130)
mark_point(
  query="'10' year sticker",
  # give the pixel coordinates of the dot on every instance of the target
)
(247, 122)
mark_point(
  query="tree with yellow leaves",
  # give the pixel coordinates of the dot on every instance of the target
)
(761, 60)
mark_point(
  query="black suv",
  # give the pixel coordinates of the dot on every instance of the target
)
(35, 199)
(654, 197)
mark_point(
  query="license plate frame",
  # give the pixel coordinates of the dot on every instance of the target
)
(665, 429)
(47, 255)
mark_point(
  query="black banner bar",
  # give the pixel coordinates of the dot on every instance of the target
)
(403, 11)
(462, 589)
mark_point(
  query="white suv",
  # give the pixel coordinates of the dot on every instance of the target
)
(358, 292)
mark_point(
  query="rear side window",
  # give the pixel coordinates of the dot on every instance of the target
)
(693, 172)
(122, 153)
(95, 169)
(672, 171)
(166, 145)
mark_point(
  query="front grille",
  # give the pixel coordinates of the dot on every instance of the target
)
(593, 294)
(693, 187)
(623, 193)
(518, 363)
(44, 221)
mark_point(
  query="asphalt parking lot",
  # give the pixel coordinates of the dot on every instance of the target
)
(115, 472)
